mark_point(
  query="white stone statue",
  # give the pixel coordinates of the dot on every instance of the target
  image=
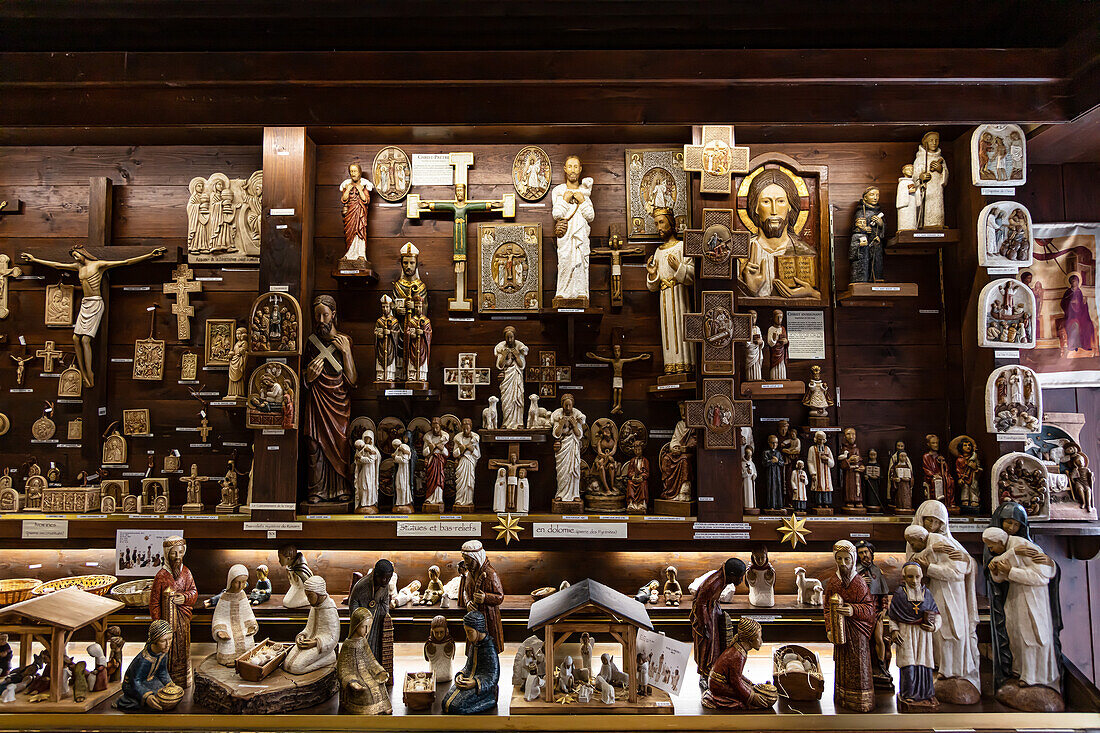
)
(367, 460)
(669, 272)
(573, 213)
(950, 573)
(930, 175)
(500, 491)
(538, 418)
(523, 493)
(490, 418)
(906, 200)
(607, 691)
(565, 676)
(467, 452)
(511, 360)
(748, 479)
(754, 352)
(234, 624)
(315, 646)
(402, 481)
(567, 426)
(611, 672)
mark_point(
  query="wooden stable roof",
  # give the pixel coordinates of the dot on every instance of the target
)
(69, 609)
(588, 593)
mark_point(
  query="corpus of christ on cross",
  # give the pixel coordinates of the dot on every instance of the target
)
(459, 208)
(511, 465)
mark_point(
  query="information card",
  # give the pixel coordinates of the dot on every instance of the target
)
(806, 332)
(432, 169)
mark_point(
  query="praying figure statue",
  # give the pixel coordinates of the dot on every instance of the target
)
(511, 360)
(234, 625)
(573, 213)
(567, 426)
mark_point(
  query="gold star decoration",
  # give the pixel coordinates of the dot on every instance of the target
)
(508, 528)
(793, 529)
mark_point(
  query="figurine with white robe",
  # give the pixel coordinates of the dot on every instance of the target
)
(500, 492)
(906, 200)
(611, 672)
(748, 482)
(586, 651)
(523, 493)
(402, 481)
(799, 482)
(234, 625)
(510, 356)
(315, 645)
(671, 273)
(567, 427)
(930, 175)
(367, 460)
(573, 214)
(754, 352)
(467, 451)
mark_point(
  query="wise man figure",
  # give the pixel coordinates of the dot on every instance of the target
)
(90, 270)
(481, 590)
(850, 618)
(930, 175)
(511, 360)
(354, 205)
(669, 272)
(330, 373)
(573, 214)
(172, 598)
(773, 207)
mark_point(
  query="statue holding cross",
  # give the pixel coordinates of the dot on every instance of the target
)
(330, 373)
(460, 208)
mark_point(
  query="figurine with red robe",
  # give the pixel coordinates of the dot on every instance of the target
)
(481, 590)
(849, 623)
(707, 626)
(727, 687)
(172, 599)
(938, 483)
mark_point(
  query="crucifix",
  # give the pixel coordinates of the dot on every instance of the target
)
(548, 375)
(718, 414)
(20, 370)
(48, 354)
(717, 243)
(718, 328)
(512, 465)
(204, 429)
(467, 376)
(716, 159)
(459, 208)
(615, 252)
(6, 271)
(193, 481)
(182, 285)
(616, 360)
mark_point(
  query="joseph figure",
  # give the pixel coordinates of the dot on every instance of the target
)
(850, 618)
(329, 375)
(172, 598)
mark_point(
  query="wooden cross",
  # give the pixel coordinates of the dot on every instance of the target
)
(717, 243)
(204, 429)
(182, 286)
(547, 374)
(512, 465)
(718, 414)
(718, 328)
(194, 484)
(6, 271)
(716, 159)
(328, 353)
(466, 376)
(459, 208)
(615, 252)
(48, 354)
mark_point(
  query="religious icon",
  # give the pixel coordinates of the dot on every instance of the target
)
(1013, 401)
(114, 447)
(272, 397)
(149, 353)
(223, 219)
(189, 366)
(59, 305)
(1004, 235)
(274, 326)
(998, 156)
(1021, 478)
(219, 340)
(392, 173)
(655, 180)
(531, 172)
(1006, 315)
(44, 427)
(510, 257)
(70, 385)
(136, 422)
(354, 207)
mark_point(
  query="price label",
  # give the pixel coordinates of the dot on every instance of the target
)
(399, 393)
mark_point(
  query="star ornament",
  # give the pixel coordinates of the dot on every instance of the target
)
(507, 528)
(793, 529)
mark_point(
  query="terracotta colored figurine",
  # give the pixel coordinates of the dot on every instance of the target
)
(329, 376)
(938, 483)
(852, 469)
(707, 624)
(967, 470)
(726, 686)
(481, 590)
(849, 621)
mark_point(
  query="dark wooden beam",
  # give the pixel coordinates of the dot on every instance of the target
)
(100, 208)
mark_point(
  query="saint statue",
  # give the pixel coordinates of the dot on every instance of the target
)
(511, 360)
(866, 250)
(676, 460)
(914, 617)
(435, 453)
(777, 347)
(906, 200)
(773, 206)
(238, 356)
(330, 373)
(930, 175)
(671, 273)
(467, 452)
(573, 213)
(567, 426)
(418, 345)
(367, 462)
(820, 461)
(938, 482)
(172, 598)
(354, 205)
(405, 289)
(388, 338)
(849, 620)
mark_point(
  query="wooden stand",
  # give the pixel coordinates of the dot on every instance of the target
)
(191, 509)
(613, 504)
(876, 294)
(226, 509)
(674, 386)
(355, 271)
(324, 508)
(432, 508)
(68, 705)
(669, 508)
(656, 703)
(567, 507)
(772, 389)
(218, 688)
(581, 303)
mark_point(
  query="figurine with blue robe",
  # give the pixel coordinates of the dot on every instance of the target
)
(474, 689)
(147, 683)
(913, 617)
(866, 249)
(772, 472)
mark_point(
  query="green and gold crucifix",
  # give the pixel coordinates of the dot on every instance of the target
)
(460, 207)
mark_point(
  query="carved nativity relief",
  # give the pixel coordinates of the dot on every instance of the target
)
(1013, 401)
(272, 397)
(1006, 316)
(998, 156)
(510, 266)
(1021, 478)
(1004, 235)
(785, 208)
(59, 305)
(274, 326)
(656, 179)
(223, 219)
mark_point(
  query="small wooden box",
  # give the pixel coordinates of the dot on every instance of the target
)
(418, 692)
(251, 672)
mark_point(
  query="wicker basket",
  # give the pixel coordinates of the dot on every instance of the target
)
(133, 592)
(14, 590)
(98, 584)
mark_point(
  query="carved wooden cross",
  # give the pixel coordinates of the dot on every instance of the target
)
(459, 208)
(718, 328)
(718, 414)
(512, 466)
(6, 271)
(717, 243)
(467, 376)
(615, 252)
(204, 429)
(716, 159)
(547, 374)
(48, 354)
(182, 286)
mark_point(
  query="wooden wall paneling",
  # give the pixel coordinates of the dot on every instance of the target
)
(286, 260)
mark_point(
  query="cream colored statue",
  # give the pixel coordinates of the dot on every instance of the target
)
(315, 645)
(906, 200)
(238, 357)
(567, 426)
(234, 626)
(573, 213)
(90, 270)
(669, 272)
(511, 360)
(930, 176)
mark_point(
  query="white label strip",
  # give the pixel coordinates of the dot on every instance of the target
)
(45, 529)
(588, 530)
(439, 529)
